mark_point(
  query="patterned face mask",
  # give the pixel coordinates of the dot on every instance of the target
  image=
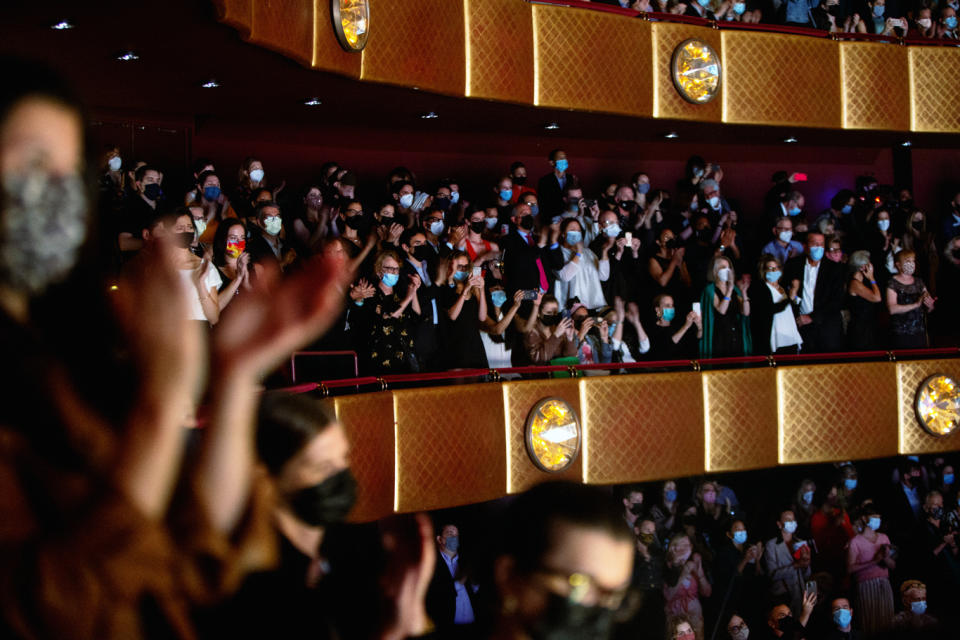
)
(43, 224)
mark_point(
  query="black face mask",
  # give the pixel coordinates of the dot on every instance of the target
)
(703, 234)
(328, 502)
(183, 240)
(637, 509)
(955, 253)
(478, 227)
(578, 322)
(627, 205)
(565, 620)
(386, 221)
(917, 225)
(423, 252)
(441, 203)
(152, 191)
(526, 223)
(788, 624)
(354, 222)
(936, 513)
(672, 243)
(520, 180)
(551, 321)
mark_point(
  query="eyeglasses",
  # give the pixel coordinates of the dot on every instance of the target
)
(736, 629)
(582, 588)
(391, 269)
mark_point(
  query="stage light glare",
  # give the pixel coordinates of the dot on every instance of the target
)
(351, 23)
(938, 405)
(553, 435)
(696, 71)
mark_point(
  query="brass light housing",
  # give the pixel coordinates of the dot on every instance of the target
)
(351, 23)
(696, 71)
(552, 434)
(938, 405)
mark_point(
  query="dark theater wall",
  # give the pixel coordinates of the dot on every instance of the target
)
(478, 160)
(936, 177)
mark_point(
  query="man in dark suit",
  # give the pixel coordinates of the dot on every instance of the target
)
(419, 259)
(529, 261)
(816, 287)
(550, 187)
(449, 600)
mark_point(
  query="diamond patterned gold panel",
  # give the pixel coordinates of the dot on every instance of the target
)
(642, 427)
(876, 86)
(368, 421)
(327, 52)
(518, 400)
(236, 13)
(500, 64)
(741, 419)
(417, 43)
(285, 26)
(837, 412)
(913, 438)
(450, 446)
(935, 83)
(779, 79)
(591, 61)
(667, 101)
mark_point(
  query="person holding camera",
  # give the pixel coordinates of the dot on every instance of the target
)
(553, 336)
(668, 270)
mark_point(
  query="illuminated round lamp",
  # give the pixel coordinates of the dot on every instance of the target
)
(552, 435)
(696, 71)
(938, 405)
(351, 23)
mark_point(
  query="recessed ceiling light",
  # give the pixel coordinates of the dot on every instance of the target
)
(128, 56)
(906, 143)
(430, 116)
(673, 135)
(551, 126)
(210, 84)
(790, 140)
(313, 102)
(63, 25)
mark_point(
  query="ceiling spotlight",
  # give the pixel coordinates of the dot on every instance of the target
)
(313, 102)
(906, 143)
(128, 56)
(673, 135)
(790, 140)
(210, 84)
(430, 116)
(552, 126)
(63, 25)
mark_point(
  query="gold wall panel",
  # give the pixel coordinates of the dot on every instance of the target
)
(913, 438)
(450, 446)
(837, 412)
(591, 61)
(631, 433)
(236, 13)
(417, 43)
(368, 421)
(518, 399)
(876, 86)
(327, 52)
(741, 419)
(285, 26)
(500, 50)
(780, 79)
(667, 102)
(934, 88)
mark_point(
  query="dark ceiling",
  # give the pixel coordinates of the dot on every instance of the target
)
(181, 45)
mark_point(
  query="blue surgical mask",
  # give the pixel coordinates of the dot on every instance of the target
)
(211, 193)
(612, 230)
(436, 228)
(847, 208)
(490, 222)
(668, 314)
(773, 276)
(948, 478)
(790, 526)
(506, 194)
(785, 236)
(452, 544)
(883, 225)
(643, 187)
(611, 329)
(460, 276)
(808, 497)
(670, 495)
(874, 523)
(878, 10)
(534, 209)
(740, 536)
(694, 205)
(703, 3)
(406, 200)
(816, 253)
(454, 197)
(951, 22)
(562, 164)
(390, 279)
(498, 297)
(794, 211)
(739, 8)
(850, 484)
(842, 618)
(573, 237)
(918, 607)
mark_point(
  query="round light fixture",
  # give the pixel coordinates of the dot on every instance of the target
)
(552, 435)
(938, 405)
(696, 71)
(351, 23)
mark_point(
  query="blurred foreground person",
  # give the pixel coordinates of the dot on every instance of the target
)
(105, 532)
(566, 565)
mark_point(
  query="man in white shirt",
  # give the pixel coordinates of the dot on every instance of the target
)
(816, 289)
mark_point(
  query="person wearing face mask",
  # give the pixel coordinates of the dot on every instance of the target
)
(783, 247)
(553, 336)
(869, 562)
(518, 176)
(914, 617)
(685, 582)
(842, 618)
(668, 271)
(529, 259)
(773, 326)
(404, 195)
(267, 241)
(908, 302)
(647, 579)
(737, 574)
(804, 506)
(200, 279)
(420, 260)
(250, 177)
(138, 210)
(786, 560)
(312, 226)
(947, 25)
(479, 249)
(923, 25)
(832, 530)
(450, 594)
(583, 272)
(111, 184)
(726, 313)
(918, 238)
(499, 331)
(232, 261)
(880, 241)
(216, 206)
(816, 289)
(940, 565)
(550, 187)
(737, 628)
(863, 302)
(623, 259)
(670, 339)
(462, 301)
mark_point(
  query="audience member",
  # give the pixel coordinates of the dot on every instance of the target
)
(908, 302)
(869, 562)
(786, 560)
(816, 287)
(726, 313)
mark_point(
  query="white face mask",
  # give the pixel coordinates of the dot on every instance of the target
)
(790, 526)
(924, 23)
(115, 163)
(273, 225)
(454, 197)
(406, 200)
(723, 275)
(785, 236)
(908, 268)
(201, 226)
(883, 225)
(256, 175)
(436, 228)
(714, 202)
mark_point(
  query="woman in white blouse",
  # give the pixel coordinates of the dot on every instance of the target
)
(582, 270)
(198, 275)
(772, 321)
